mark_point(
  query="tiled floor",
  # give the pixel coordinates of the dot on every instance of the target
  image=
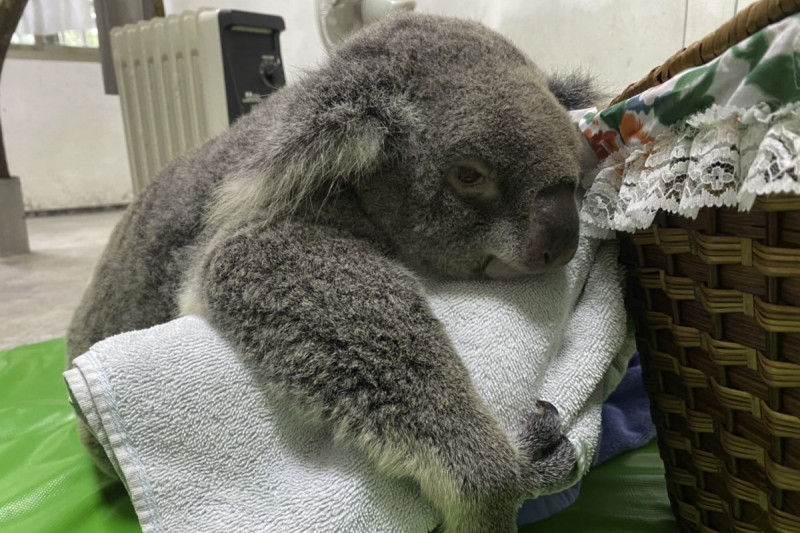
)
(39, 291)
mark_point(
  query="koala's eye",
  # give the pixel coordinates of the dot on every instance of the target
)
(468, 176)
(473, 180)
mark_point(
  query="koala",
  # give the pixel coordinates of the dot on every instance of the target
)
(423, 146)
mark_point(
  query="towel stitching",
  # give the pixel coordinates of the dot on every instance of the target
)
(147, 491)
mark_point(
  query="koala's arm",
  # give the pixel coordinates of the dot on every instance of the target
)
(345, 333)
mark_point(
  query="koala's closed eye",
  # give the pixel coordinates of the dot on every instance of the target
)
(473, 179)
(468, 176)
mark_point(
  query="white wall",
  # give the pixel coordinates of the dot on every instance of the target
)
(63, 136)
(619, 40)
(65, 139)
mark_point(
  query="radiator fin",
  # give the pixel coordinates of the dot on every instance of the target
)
(171, 87)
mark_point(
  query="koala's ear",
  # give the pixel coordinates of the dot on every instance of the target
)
(341, 142)
(575, 90)
(303, 148)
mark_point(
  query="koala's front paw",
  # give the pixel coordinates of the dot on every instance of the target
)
(552, 456)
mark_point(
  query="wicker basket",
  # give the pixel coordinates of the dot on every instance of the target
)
(717, 306)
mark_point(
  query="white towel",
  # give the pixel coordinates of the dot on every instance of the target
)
(200, 447)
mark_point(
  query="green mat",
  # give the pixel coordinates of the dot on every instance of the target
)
(47, 482)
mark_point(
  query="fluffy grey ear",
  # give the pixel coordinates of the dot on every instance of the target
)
(575, 90)
(303, 147)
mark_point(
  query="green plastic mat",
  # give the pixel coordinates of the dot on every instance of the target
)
(48, 483)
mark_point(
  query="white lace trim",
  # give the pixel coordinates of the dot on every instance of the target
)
(724, 156)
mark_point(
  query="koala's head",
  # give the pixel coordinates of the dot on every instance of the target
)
(452, 141)
(483, 167)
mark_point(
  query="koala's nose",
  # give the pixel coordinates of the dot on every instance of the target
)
(554, 228)
(561, 249)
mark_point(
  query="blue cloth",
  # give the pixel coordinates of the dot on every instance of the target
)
(626, 426)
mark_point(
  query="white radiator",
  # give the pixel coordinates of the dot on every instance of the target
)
(176, 80)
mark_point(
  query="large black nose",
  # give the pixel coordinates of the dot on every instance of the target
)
(554, 228)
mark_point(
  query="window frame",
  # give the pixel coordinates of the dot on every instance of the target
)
(48, 47)
(44, 50)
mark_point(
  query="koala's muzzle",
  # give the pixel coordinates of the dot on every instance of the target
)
(552, 237)
(554, 229)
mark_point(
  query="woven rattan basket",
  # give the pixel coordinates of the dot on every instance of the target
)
(717, 306)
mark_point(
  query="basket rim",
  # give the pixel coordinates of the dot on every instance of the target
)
(750, 20)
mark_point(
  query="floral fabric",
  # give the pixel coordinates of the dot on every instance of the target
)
(719, 134)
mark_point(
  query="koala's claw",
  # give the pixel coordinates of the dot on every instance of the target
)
(552, 457)
(542, 431)
(546, 407)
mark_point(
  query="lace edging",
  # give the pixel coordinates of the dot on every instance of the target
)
(724, 156)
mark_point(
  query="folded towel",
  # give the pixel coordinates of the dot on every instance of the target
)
(201, 447)
(561, 337)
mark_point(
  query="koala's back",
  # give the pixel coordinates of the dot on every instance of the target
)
(136, 280)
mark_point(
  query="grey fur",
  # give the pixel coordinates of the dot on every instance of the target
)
(576, 89)
(301, 231)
